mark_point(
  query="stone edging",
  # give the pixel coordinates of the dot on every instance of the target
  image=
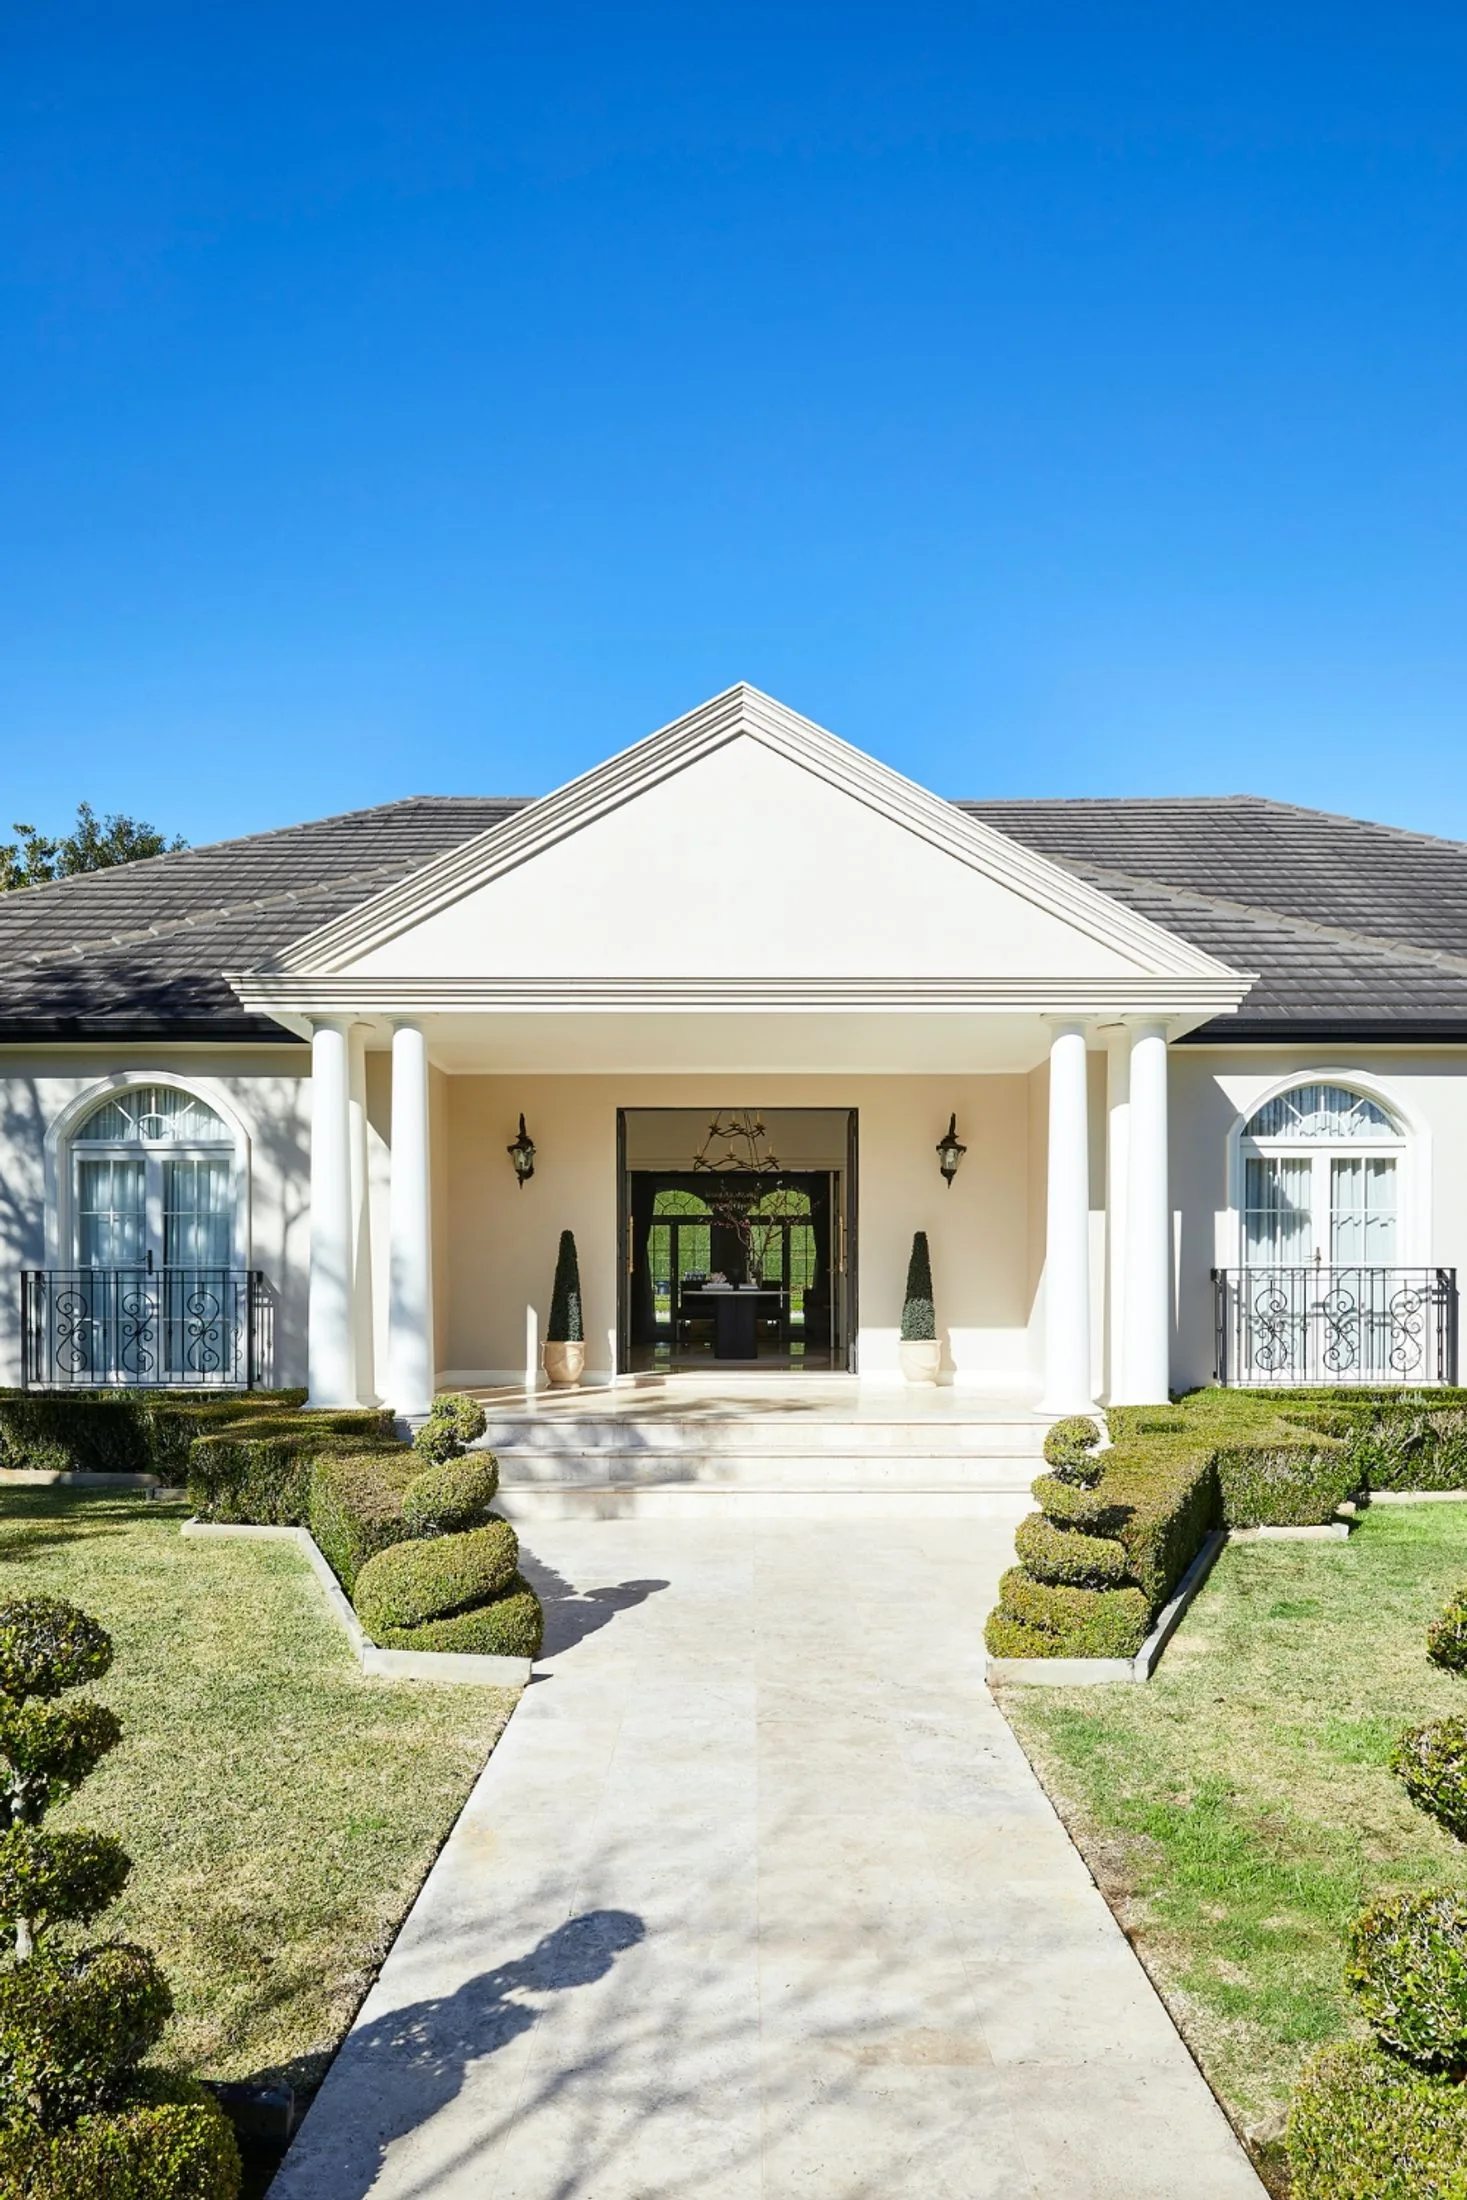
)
(397, 1665)
(1107, 1672)
(1417, 1497)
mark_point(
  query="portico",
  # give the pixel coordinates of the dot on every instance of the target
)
(590, 955)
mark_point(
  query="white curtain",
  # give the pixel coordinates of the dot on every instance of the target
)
(110, 1214)
(1362, 1211)
(198, 1213)
(1276, 1220)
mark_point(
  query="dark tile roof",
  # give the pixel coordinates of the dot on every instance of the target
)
(1353, 928)
(141, 950)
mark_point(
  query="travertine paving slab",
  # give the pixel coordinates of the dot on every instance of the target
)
(758, 1898)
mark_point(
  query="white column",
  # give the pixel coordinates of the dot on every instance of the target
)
(1117, 1158)
(1146, 1351)
(361, 1217)
(329, 1317)
(410, 1277)
(1067, 1387)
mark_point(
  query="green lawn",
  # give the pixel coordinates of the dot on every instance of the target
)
(1238, 1810)
(281, 1810)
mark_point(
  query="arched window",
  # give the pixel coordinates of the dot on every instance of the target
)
(153, 1182)
(1321, 1180)
(679, 1243)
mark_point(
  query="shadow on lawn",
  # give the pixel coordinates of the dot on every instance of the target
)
(397, 2071)
(35, 1517)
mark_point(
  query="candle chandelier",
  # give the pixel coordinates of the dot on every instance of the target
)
(736, 1144)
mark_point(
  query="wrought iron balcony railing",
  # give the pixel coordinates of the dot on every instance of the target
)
(1319, 1325)
(102, 1328)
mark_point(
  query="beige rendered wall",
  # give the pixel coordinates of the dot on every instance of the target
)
(1213, 1089)
(499, 1239)
(268, 1088)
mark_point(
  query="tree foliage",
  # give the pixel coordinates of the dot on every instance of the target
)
(93, 844)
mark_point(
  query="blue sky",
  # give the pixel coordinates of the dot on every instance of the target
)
(1050, 399)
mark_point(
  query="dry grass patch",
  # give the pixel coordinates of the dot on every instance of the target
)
(281, 1810)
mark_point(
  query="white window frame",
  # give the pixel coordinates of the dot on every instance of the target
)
(62, 1247)
(1410, 1148)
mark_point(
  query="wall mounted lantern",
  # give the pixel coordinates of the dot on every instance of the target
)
(521, 1152)
(950, 1150)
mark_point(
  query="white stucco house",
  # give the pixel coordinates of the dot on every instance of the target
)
(1207, 1060)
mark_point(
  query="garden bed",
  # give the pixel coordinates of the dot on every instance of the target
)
(1240, 1811)
(281, 1809)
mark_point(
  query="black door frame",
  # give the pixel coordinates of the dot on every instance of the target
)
(845, 1280)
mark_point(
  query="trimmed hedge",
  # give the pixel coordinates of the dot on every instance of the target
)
(512, 1625)
(1166, 1496)
(121, 1431)
(1365, 2126)
(1285, 1483)
(1421, 1450)
(1067, 1555)
(454, 1422)
(258, 1469)
(445, 1500)
(413, 1582)
(1037, 1620)
(1408, 1970)
(1430, 1761)
(354, 1505)
(167, 2140)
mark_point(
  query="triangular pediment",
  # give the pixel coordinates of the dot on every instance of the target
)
(743, 841)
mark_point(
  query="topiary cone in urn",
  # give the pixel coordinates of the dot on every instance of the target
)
(564, 1352)
(919, 1350)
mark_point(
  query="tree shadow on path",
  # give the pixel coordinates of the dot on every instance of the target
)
(397, 2071)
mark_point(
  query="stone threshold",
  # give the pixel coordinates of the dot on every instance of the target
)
(1111, 1672)
(462, 1666)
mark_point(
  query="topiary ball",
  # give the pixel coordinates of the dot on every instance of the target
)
(1069, 1448)
(1431, 1763)
(414, 1582)
(454, 1422)
(166, 2139)
(49, 1877)
(1446, 1638)
(1365, 2126)
(48, 1749)
(71, 2030)
(47, 1645)
(451, 1497)
(1408, 1969)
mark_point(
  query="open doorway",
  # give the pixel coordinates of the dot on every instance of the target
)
(738, 1241)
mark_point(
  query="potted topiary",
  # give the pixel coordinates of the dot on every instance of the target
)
(919, 1350)
(564, 1351)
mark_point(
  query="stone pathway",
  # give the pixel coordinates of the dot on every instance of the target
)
(758, 1898)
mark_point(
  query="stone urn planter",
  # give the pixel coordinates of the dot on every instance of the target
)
(563, 1354)
(564, 1364)
(921, 1359)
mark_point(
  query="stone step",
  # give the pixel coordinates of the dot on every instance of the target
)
(525, 1504)
(767, 1469)
(583, 1435)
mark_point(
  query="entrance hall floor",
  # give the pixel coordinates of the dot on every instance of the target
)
(758, 1898)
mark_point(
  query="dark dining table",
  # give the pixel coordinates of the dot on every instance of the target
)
(735, 1313)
